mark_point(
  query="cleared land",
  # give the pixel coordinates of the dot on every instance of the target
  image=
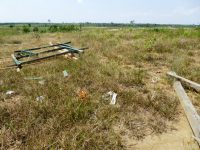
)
(131, 62)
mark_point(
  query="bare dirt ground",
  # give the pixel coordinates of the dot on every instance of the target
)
(180, 139)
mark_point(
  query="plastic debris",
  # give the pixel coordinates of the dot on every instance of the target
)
(18, 69)
(65, 73)
(42, 82)
(10, 92)
(33, 78)
(40, 98)
(111, 95)
(82, 94)
(106, 96)
(114, 99)
(71, 56)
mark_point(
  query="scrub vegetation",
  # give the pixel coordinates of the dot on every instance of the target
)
(132, 62)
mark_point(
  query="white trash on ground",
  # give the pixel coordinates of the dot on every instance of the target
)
(111, 95)
(42, 82)
(65, 73)
(40, 98)
(10, 92)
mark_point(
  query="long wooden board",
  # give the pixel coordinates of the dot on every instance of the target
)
(185, 81)
(189, 109)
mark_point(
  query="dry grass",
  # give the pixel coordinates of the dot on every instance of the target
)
(123, 61)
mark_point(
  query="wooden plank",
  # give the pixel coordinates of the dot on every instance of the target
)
(185, 81)
(189, 109)
(197, 139)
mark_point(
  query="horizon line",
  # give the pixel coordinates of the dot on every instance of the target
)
(96, 23)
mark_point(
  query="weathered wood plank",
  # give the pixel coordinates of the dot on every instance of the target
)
(189, 109)
(185, 81)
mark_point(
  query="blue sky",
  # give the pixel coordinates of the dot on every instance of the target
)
(121, 11)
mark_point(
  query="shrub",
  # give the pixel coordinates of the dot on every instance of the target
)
(43, 31)
(53, 28)
(68, 28)
(26, 29)
(35, 29)
(11, 26)
(63, 28)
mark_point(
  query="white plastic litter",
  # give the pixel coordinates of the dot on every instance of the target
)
(65, 73)
(113, 97)
(42, 82)
(18, 70)
(40, 98)
(33, 78)
(10, 92)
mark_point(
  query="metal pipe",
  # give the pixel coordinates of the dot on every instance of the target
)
(47, 57)
(32, 49)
